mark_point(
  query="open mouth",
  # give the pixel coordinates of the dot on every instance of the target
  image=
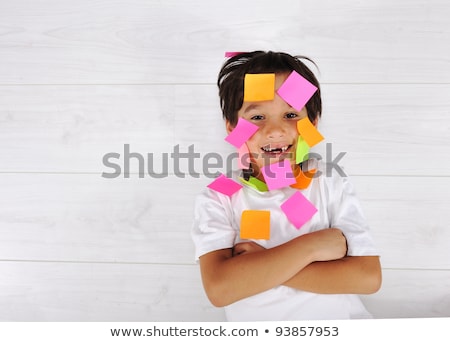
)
(275, 150)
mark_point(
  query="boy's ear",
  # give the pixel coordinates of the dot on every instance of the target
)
(229, 127)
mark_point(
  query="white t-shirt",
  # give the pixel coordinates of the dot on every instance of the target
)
(216, 226)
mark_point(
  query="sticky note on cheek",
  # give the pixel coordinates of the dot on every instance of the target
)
(241, 133)
(309, 132)
(302, 151)
(255, 224)
(259, 87)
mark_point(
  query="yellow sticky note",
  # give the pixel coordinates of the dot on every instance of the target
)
(259, 87)
(255, 224)
(309, 132)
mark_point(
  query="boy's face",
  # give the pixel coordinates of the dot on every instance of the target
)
(276, 138)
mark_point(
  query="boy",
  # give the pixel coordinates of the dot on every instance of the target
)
(310, 272)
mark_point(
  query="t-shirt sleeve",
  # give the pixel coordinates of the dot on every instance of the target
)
(347, 215)
(212, 227)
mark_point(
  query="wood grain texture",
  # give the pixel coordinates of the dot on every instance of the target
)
(86, 218)
(81, 79)
(98, 42)
(382, 129)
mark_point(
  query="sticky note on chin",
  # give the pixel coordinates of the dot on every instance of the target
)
(259, 87)
(241, 133)
(255, 224)
(278, 175)
(309, 132)
(225, 185)
(296, 90)
(298, 209)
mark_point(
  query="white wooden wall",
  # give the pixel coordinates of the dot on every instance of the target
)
(81, 78)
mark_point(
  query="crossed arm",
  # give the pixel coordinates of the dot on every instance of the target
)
(314, 262)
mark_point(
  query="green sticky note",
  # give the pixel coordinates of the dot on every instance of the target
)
(302, 151)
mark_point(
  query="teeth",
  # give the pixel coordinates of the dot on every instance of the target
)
(276, 149)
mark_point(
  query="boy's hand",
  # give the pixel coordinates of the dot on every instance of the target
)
(246, 247)
(328, 244)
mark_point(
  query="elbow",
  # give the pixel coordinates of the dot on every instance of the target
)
(373, 280)
(217, 294)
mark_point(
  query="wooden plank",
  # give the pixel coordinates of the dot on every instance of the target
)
(97, 42)
(383, 129)
(411, 294)
(87, 218)
(89, 292)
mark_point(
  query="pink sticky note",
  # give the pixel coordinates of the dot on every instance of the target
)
(225, 185)
(241, 133)
(231, 54)
(278, 175)
(243, 157)
(296, 90)
(298, 209)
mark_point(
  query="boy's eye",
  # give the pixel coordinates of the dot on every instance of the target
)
(291, 115)
(257, 117)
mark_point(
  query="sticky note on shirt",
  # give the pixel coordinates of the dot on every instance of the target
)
(225, 185)
(241, 133)
(259, 87)
(298, 209)
(278, 175)
(296, 90)
(255, 224)
(309, 132)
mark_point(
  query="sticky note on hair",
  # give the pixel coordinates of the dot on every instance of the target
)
(296, 90)
(259, 87)
(302, 151)
(241, 133)
(309, 132)
(225, 185)
(229, 54)
(298, 209)
(278, 175)
(255, 224)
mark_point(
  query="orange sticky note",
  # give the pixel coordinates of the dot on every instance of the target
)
(303, 179)
(259, 87)
(255, 224)
(309, 132)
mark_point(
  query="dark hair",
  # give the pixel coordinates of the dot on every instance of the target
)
(232, 73)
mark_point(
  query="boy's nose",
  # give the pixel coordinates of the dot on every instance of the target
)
(274, 131)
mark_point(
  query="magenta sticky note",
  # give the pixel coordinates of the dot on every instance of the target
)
(243, 157)
(231, 54)
(225, 185)
(298, 209)
(278, 175)
(241, 133)
(296, 90)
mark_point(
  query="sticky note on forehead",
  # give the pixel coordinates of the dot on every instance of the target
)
(296, 90)
(241, 133)
(259, 87)
(255, 224)
(298, 209)
(225, 185)
(309, 132)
